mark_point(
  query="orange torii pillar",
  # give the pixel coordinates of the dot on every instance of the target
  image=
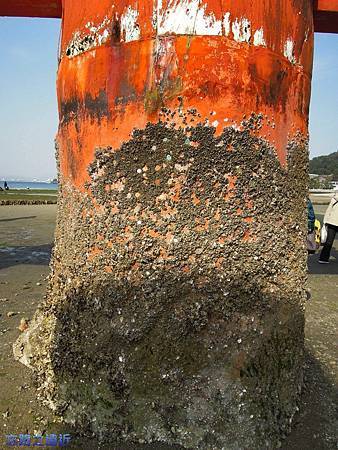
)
(175, 303)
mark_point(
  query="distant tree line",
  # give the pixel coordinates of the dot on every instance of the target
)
(325, 165)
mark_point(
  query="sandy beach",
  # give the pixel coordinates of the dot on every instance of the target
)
(28, 197)
(26, 239)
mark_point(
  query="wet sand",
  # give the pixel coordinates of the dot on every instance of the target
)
(26, 236)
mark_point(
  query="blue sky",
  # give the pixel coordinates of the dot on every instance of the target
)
(28, 111)
(324, 97)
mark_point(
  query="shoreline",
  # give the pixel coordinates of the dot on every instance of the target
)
(28, 197)
(27, 202)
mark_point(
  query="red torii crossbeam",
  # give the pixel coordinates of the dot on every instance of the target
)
(326, 16)
(31, 8)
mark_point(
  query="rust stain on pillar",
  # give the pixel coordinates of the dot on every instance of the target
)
(175, 305)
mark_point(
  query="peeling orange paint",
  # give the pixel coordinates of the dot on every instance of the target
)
(246, 236)
(232, 181)
(248, 204)
(248, 219)
(154, 234)
(219, 263)
(196, 201)
(217, 215)
(94, 252)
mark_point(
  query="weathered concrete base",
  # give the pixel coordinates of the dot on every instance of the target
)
(175, 303)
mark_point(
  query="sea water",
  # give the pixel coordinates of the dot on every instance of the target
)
(29, 185)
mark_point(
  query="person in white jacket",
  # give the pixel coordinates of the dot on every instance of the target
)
(331, 220)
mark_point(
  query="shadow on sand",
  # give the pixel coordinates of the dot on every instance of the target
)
(323, 269)
(313, 426)
(17, 218)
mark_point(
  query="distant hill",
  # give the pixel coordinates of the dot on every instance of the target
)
(325, 165)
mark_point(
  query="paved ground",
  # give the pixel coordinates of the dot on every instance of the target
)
(26, 234)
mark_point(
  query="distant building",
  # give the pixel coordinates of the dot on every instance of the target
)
(321, 181)
(334, 185)
(321, 178)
